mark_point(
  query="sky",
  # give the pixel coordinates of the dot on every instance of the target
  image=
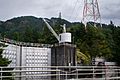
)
(72, 10)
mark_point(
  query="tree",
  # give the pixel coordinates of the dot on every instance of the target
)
(96, 43)
(116, 49)
(4, 63)
(92, 41)
(16, 36)
(28, 35)
(82, 58)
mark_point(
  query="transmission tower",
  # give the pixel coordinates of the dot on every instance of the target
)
(91, 12)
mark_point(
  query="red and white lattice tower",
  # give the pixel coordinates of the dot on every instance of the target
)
(91, 12)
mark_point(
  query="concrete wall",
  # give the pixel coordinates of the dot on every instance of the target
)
(63, 55)
(28, 56)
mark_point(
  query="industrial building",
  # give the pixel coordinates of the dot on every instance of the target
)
(28, 56)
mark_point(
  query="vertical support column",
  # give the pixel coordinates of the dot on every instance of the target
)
(49, 61)
(77, 74)
(20, 62)
(56, 73)
(1, 73)
(118, 72)
(66, 75)
(93, 72)
(105, 72)
(59, 74)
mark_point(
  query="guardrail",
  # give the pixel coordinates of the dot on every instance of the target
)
(60, 73)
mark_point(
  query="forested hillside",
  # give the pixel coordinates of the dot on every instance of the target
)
(29, 28)
(93, 41)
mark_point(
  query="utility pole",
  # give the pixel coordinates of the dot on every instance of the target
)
(91, 12)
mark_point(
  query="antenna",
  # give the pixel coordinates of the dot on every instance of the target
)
(91, 12)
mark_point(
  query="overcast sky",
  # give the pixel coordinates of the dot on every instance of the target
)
(72, 11)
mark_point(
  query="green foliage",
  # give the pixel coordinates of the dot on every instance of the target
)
(82, 58)
(116, 46)
(31, 29)
(96, 42)
(4, 62)
(93, 41)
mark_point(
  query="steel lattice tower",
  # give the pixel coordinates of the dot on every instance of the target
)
(91, 12)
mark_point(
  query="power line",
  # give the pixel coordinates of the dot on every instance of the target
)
(77, 12)
(73, 9)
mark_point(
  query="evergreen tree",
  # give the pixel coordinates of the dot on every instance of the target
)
(116, 48)
(4, 63)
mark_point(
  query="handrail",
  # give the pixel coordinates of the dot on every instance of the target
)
(84, 67)
(78, 72)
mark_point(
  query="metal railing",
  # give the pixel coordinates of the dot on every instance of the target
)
(60, 73)
(28, 44)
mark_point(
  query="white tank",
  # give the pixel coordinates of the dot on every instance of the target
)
(65, 37)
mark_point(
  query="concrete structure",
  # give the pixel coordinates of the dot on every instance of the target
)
(65, 37)
(28, 56)
(23, 54)
(63, 55)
